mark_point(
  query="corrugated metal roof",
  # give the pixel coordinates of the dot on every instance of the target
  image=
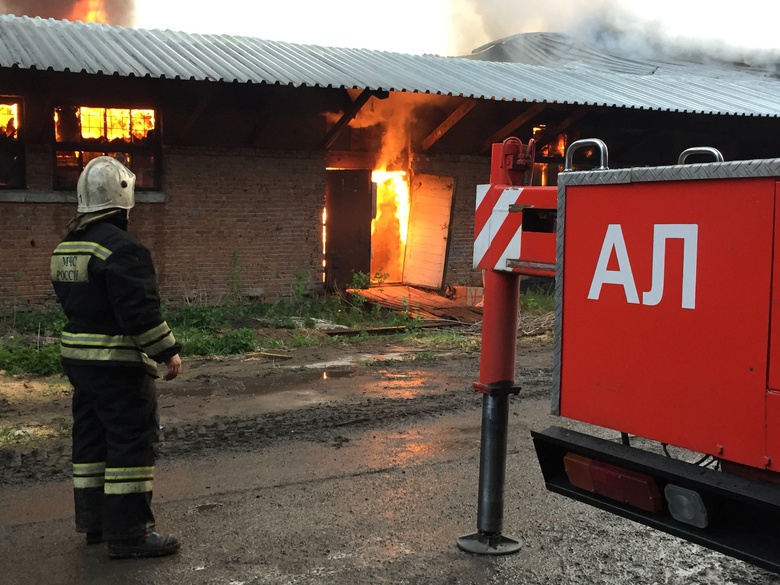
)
(563, 51)
(59, 45)
(557, 50)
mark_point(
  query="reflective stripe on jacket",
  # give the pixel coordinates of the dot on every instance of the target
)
(105, 281)
(94, 347)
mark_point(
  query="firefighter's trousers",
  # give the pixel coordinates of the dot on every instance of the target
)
(115, 426)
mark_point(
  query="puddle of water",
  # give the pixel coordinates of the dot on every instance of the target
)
(288, 389)
(416, 445)
(337, 374)
(306, 381)
(257, 385)
(339, 363)
(357, 359)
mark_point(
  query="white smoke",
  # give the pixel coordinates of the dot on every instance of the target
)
(477, 22)
(663, 29)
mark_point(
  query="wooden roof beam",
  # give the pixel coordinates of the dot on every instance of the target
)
(201, 106)
(519, 121)
(265, 109)
(348, 116)
(447, 125)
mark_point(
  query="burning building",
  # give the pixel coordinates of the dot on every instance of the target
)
(264, 164)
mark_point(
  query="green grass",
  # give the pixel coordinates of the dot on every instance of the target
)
(534, 301)
(197, 342)
(48, 322)
(442, 340)
(18, 359)
(427, 356)
(28, 338)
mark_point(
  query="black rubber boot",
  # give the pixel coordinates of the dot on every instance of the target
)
(94, 537)
(151, 545)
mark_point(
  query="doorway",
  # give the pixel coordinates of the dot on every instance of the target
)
(393, 233)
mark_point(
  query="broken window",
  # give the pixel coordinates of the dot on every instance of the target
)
(83, 133)
(11, 148)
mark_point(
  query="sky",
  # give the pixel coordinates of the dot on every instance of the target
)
(630, 28)
(456, 27)
(384, 25)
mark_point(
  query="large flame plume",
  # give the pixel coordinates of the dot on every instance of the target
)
(89, 11)
(118, 12)
(391, 223)
(390, 226)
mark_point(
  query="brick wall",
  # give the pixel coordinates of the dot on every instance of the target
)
(234, 220)
(30, 231)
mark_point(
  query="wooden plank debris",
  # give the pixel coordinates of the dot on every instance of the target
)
(267, 354)
(389, 330)
(419, 303)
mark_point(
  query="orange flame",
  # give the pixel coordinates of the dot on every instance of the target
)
(9, 120)
(115, 123)
(324, 241)
(390, 226)
(89, 11)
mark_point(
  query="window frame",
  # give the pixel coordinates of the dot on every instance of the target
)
(151, 147)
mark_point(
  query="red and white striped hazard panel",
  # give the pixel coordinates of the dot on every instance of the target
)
(496, 231)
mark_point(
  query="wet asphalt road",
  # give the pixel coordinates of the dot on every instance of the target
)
(356, 504)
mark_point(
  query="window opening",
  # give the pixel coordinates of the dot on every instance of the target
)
(83, 133)
(11, 148)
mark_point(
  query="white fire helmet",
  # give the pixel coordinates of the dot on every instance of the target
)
(105, 183)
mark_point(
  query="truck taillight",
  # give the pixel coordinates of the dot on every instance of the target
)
(577, 469)
(616, 483)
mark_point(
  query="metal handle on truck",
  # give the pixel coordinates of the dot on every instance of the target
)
(699, 150)
(567, 164)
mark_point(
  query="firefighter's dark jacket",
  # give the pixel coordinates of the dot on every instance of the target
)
(105, 280)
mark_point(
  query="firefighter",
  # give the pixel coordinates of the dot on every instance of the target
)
(114, 338)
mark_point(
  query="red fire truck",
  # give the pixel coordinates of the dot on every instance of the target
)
(667, 344)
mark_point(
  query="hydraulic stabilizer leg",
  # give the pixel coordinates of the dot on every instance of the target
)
(497, 372)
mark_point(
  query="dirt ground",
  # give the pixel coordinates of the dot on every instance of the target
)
(220, 402)
(387, 420)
